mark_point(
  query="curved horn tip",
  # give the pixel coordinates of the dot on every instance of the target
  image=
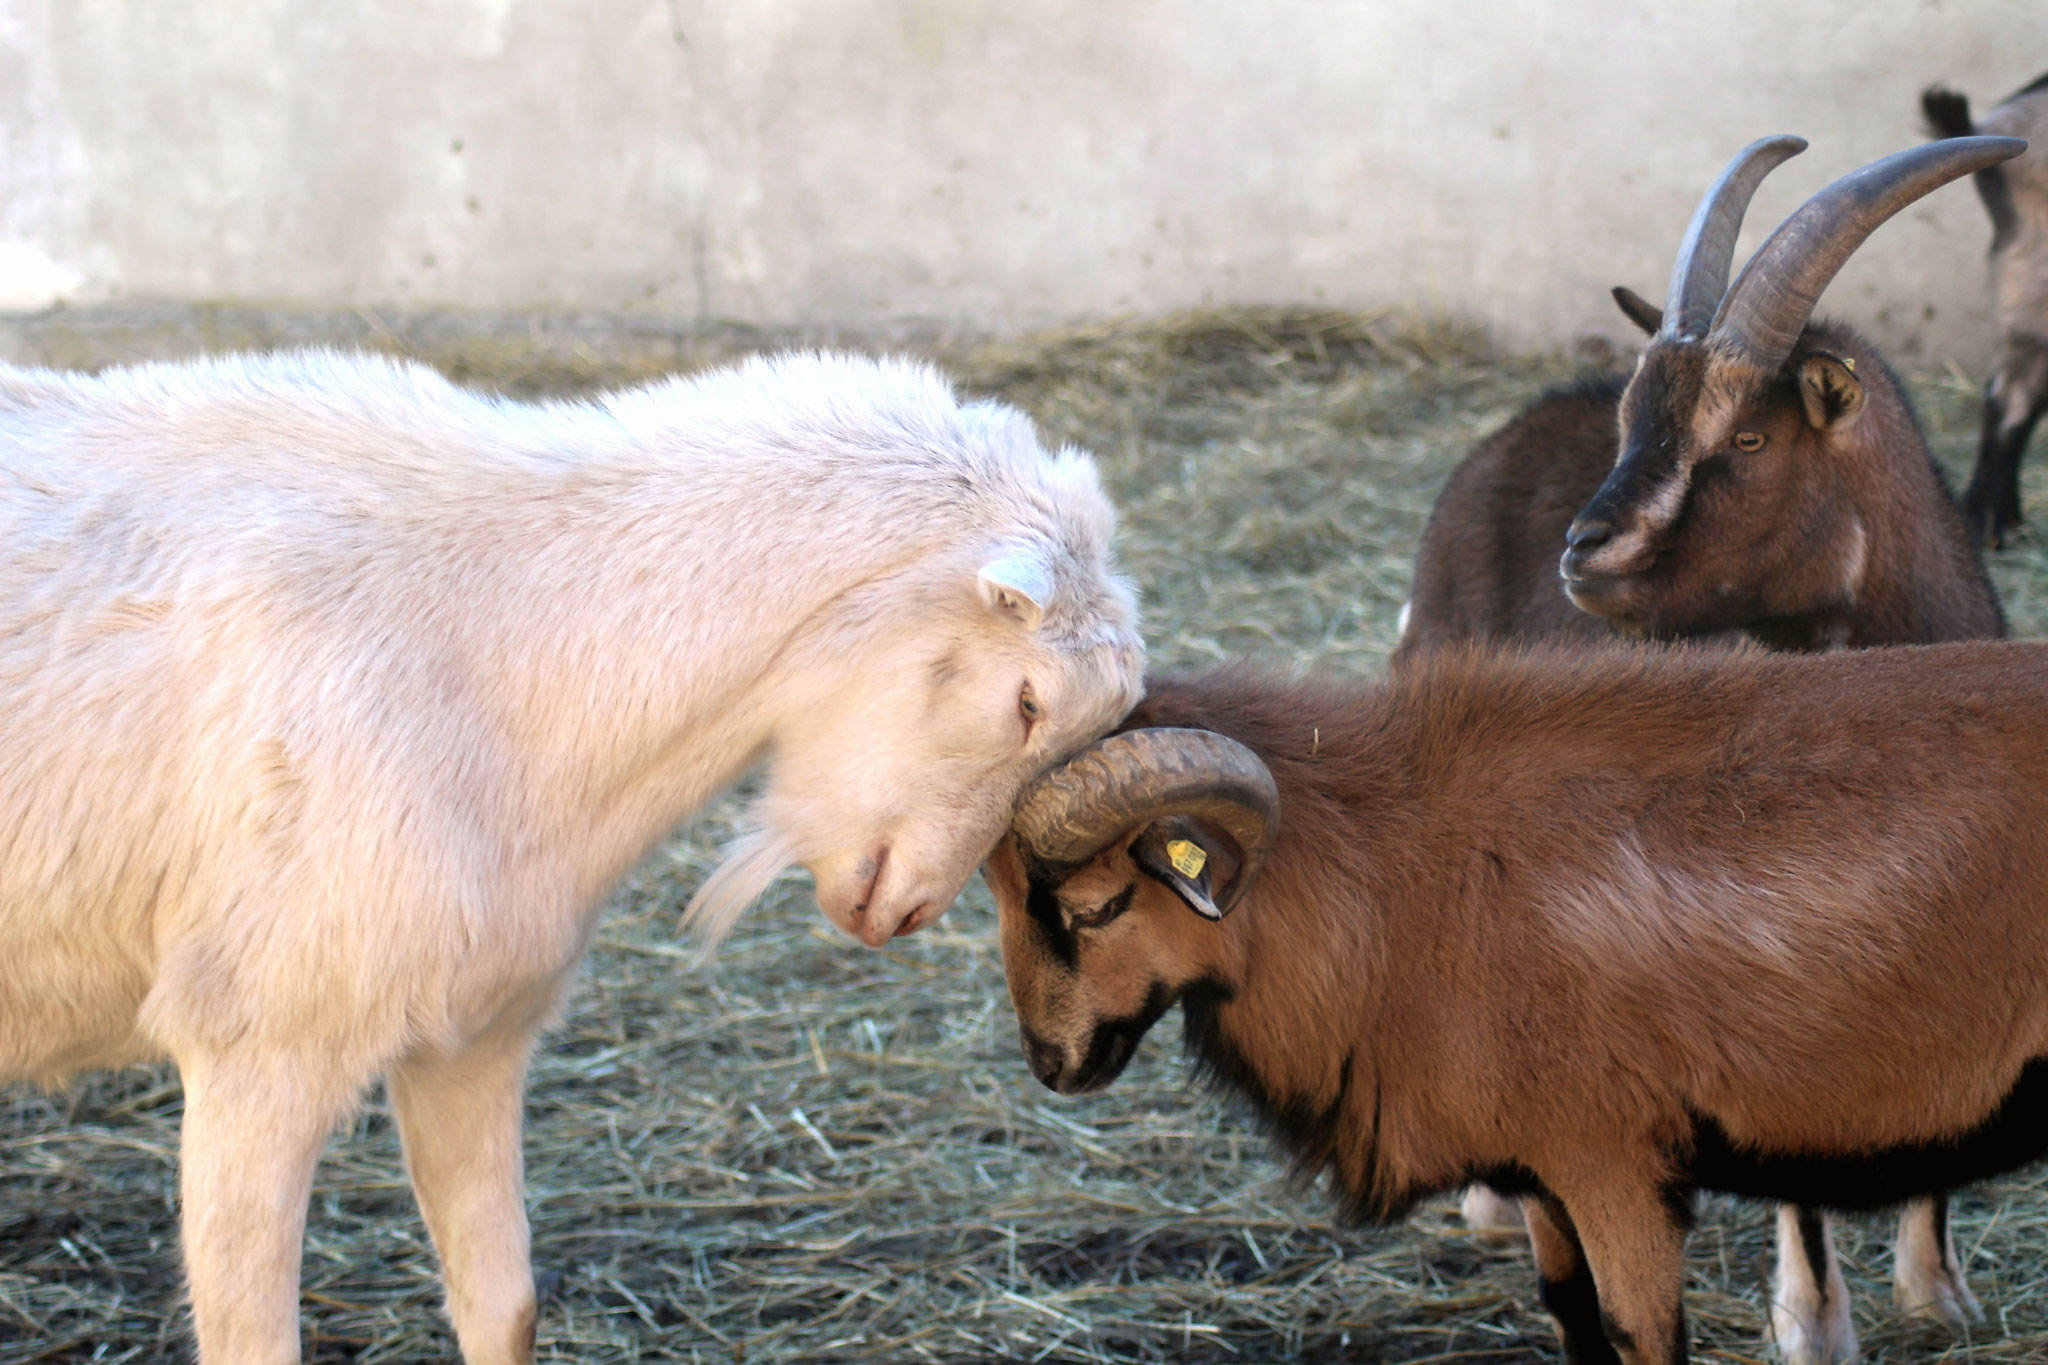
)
(1077, 808)
(1699, 273)
(1768, 305)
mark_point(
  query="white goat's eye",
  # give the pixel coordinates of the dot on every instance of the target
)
(1027, 705)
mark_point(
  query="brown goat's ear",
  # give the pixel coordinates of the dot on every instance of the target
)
(1639, 310)
(1190, 858)
(1832, 393)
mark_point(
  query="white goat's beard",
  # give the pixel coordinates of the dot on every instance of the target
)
(752, 863)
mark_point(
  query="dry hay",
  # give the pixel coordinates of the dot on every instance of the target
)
(800, 1151)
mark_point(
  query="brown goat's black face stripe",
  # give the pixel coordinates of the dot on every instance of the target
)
(1114, 1041)
(1651, 444)
(1656, 420)
(1042, 903)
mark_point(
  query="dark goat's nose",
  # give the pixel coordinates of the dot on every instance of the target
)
(1045, 1060)
(1585, 536)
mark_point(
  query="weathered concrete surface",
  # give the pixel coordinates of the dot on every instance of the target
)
(968, 162)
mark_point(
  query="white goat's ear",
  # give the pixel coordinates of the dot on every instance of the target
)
(1017, 584)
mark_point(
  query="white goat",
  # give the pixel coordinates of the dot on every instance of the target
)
(334, 700)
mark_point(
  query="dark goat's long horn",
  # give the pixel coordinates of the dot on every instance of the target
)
(1772, 298)
(1070, 814)
(1700, 275)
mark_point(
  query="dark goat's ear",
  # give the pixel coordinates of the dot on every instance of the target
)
(1190, 858)
(1639, 310)
(1832, 393)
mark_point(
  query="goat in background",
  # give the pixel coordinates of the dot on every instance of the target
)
(2015, 194)
(1762, 475)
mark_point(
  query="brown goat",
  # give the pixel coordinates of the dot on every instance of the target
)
(1487, 566)
(1599, 933)
(1800, 507)
(1758, 473)
(2016, 196)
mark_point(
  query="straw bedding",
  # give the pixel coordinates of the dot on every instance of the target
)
(802, 1151)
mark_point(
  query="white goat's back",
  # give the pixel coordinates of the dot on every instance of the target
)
(333, 698)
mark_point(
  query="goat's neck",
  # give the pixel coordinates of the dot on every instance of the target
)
(1921, 584)
(630, 709)
(1301, 1032)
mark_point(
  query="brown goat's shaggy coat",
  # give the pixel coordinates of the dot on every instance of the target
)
(1601, 932)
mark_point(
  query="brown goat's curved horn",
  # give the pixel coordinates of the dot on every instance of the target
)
(1073, 812)
(1700, 275)
(1772, 298)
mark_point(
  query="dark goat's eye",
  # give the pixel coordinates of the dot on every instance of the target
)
(1027, 705)
(1750, 442)
(1105, 912)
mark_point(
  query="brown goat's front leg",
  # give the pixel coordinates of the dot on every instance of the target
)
(1565, 1283)
(1633, 1237)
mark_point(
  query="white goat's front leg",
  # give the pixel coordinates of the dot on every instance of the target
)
(1927, 1279)
(459, 1118)
(1810, 1322)
(252, 1134)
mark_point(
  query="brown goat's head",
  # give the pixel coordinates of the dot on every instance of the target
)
(1741, 435)
(1108, 887)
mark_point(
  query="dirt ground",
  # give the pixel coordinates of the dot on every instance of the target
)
(803, 1151)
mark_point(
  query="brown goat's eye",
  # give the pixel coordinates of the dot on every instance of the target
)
(1749, 442)
(1103, 913)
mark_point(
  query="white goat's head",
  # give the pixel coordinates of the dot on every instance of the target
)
(927, 701)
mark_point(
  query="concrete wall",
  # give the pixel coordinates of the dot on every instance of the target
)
(979, 163)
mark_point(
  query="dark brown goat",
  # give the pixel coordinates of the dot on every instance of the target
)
(1487, 566)
(1758, 473)
(1798, 505)
(2016, 196)
(1876, 503)
(1599, 932)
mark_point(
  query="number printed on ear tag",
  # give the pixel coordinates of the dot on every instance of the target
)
(1187, 857)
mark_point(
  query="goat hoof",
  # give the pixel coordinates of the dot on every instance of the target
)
(1798, 1340)
(1938, 1296)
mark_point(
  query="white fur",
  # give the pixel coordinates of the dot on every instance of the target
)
(335, 699)
(1810, 1322)
(1927, 1277)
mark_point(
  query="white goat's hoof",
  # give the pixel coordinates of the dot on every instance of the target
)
(1810, 1323)
(1487, 1210)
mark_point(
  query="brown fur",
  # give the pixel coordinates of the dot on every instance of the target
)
(1839, 531)
(1536, 922)
(1757, 546)
(1487, 568)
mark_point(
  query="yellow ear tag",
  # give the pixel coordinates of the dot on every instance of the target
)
(1187, 858)
(1849, 363)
